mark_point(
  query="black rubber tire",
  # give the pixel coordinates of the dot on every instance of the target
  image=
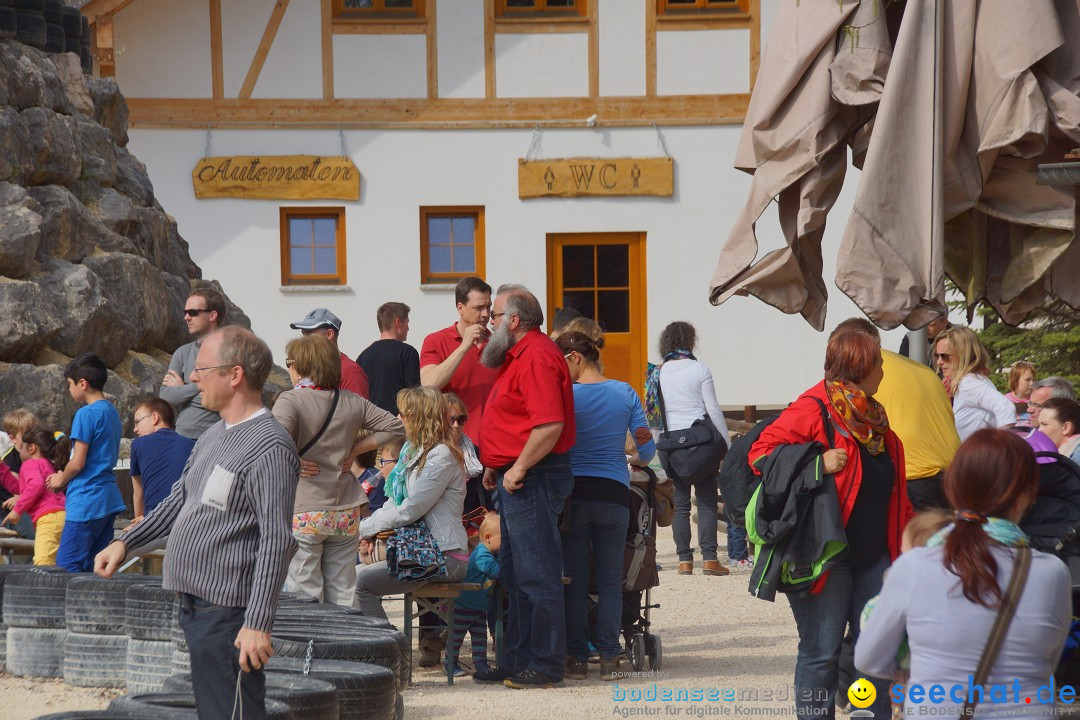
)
(71, 19)
(347, 627)
(30, 29)
(399, 708)
(36, 599)
(149, 663)
(365, 691)
(181, 661)
(53, 10)
(55, 40)
(148, 612)
(295, 598)
(3, 646)
(365, 646)
(35, 7)
(96, 605)
(95, 660)
(93, 715)
(175, 706)
(309, 697)
(86, 59)
(7, 3)
(637, 653)
(8, 23)
(35, 652)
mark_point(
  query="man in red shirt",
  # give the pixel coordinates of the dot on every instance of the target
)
(450, 358)
(323, 322)
(527, 431)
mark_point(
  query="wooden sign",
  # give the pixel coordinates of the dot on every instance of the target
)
(277, 177)
(595, 177)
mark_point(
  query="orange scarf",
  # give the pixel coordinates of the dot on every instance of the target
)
(863, 415)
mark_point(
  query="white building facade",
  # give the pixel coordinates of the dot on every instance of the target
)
(435, 101)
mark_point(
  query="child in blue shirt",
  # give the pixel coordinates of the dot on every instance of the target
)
(93, 499)
(471, 607)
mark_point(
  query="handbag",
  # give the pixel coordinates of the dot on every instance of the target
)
(412, 554)
(1021, 564)
(378, 548)
(692, 454)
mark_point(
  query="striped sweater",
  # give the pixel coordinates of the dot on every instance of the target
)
(238, 556)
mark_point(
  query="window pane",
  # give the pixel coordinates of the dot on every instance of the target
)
(464, 230)
(399, 4)
(439, 259)
(299, 231)
(612, 265)
(681, 2)
(521, 3)
(325, 261)
(560, 3)
(464, 259)
(300, 261)
(358, 3)
(325, 231)
(614, 315)
(438, 231)
(581, 300)
(577, 266)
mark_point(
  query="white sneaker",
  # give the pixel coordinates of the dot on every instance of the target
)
(741, 566)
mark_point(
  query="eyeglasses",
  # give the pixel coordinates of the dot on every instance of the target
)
(459, 419)
(942, 356)
(289, 362)
(195, 312)
(497, 315)
(386, 461)
(140, 419)
(201, 370)
(567, 355)
(1037, 406)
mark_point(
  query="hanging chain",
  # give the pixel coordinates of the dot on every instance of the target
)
(534, 143)
(206, 153)
(341, 137)
(660, 140)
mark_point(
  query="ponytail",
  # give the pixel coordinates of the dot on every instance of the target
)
(54, 447)
(967, 554)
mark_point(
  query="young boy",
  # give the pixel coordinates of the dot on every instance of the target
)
(471, 607)
(93, 499)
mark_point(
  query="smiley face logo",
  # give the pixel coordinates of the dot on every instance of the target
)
(862, 693)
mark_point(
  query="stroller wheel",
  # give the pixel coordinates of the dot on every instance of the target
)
(637, 652)
(655, 651)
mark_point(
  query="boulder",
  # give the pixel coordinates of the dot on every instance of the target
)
(69, 230)
(70, 76)
(90, 321)
(177, 333)
(29, 79)
(54, 148)
(233, 314)
(110, 108)
(135, 288)
(14, 145)
(132, 180)
(20, 231)
(157, 239)
(28, 321)
(41, 389)
(99, 153)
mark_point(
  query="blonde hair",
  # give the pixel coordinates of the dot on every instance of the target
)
(19, 421)
(967, 354)
(425, 410)
(453, 402)
(588, 327)
(316, 358)
(923, 525)
(490, 519)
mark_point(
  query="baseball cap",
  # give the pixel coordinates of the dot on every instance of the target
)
(317, 318)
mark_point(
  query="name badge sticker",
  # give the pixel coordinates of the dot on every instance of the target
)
(218, 485)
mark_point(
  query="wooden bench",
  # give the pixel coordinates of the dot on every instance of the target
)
(437, 598)
(10, 547)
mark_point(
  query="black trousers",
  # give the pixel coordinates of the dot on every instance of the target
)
(215, 662)
(926, 493)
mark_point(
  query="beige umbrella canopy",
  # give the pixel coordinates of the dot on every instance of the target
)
(948, 106)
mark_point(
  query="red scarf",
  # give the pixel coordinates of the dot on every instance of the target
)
(863, 415)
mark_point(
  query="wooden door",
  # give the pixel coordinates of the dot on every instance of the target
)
(602, 276)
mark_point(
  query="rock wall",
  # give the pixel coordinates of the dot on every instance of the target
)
(89, 260)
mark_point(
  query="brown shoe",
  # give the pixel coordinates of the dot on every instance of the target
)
(713, 567)
(609, 667)
(576, 669)
(686, 568)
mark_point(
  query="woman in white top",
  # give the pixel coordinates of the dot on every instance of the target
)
(964, 364)
(945, 597)
(689, 395)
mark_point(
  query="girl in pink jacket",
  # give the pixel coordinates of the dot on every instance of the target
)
(42, 452)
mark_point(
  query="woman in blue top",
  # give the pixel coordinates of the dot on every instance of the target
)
(599, 506)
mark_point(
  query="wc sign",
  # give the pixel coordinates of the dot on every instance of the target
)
(595, 177)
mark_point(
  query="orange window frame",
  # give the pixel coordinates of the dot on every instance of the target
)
(288, 277)
(378, 11)
(541, 11)
(451, 211)
(666, 8)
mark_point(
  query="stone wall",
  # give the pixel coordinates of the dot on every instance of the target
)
(89, 260)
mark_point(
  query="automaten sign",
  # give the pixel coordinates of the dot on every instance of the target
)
(277, 177)
(585, 177)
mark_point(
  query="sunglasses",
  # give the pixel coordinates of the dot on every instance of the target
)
(942, 356)
(289, 362)
(195, 312)
(459, 419)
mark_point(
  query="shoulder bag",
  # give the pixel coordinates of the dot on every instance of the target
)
(326, 423)
(692, 454)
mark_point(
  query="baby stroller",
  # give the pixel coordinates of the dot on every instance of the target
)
(648, 503)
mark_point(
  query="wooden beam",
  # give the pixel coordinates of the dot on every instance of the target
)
(755, 40)
(489, 49)
(432, 51)
(650, 48)
(530, 27)
(382, 27)
(327, 48)
(668, 23)
(100, 8)
(264, 47)
(104, 44)
(217, 65)
(594, 50)
(438, 113)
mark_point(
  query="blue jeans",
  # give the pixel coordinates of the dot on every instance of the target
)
(736, 539)
(707, 498)
(603, 525)
(531, 568)
(81, 541)
(822, 620)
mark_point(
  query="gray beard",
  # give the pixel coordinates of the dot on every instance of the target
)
(494, 353)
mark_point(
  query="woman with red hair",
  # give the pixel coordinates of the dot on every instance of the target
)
(946, 596)
(866, 461)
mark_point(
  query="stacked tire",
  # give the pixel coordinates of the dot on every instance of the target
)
(365, 691)
(310, 698)
(34, 606)
(181, 658)
(30, 25)
(8, 21)
(180, 706)
(96, 647)
(148, 621)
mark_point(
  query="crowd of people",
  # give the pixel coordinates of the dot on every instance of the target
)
(503, 455)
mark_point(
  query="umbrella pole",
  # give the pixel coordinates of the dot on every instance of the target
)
(917, 343)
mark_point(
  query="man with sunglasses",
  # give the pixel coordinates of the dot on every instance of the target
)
(204, 312)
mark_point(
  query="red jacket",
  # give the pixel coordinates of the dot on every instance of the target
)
(801, 422)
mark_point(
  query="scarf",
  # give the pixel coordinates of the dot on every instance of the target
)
(305, 382)
(863, 415)
(473, 466)
(1069, 446)
(395, 488)
(652, 387)
(999, 529)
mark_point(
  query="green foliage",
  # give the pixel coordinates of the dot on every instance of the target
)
(1050, 338)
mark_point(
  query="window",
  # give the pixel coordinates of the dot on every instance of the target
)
(378, 9)
(313, 246)
(699, 8)
(540, 9)
(451, 243)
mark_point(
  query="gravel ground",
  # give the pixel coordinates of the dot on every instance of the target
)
(715, 637)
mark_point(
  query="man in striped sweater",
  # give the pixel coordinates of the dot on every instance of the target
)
(229, 527)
